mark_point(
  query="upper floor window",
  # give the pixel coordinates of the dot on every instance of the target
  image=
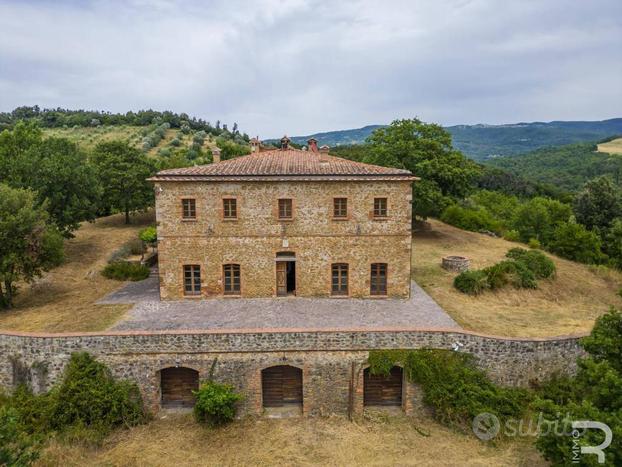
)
(231, 273)
(378, 284)
(380, 207)
(339, 279)
(192, 279)
(340, 208)
(285, 208)
(188, 209)
(230, 208)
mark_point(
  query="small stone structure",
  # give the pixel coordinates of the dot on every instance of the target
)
(332, 361)
(456, 263)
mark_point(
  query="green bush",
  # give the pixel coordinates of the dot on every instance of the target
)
(149, 235)
(452, 385)
(511, 235)
(510, 272)
(17, 447)
(536, 261)
(123, 271)
(471, 282)
(573, 241)
(215, 403)
(475, 220)
(534, 243)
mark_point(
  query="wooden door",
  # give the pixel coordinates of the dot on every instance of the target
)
(281, 278)
(383, 390)
(281, 385)
(177, 385)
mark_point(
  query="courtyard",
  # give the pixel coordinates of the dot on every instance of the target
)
(149, 313)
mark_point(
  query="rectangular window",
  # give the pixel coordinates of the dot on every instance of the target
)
(339, 282)
(340, 207)
(231, 274)
(380, 207)
(230, 208)
(285, 209)
(188, 209)
(192, 279)
(378, 279)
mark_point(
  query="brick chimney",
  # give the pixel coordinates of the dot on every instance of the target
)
(216, 155)
(285, 143)
(255, 144)
(312, 142)
(324, 149)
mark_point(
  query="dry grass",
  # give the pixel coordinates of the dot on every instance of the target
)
(568, 304)
(63, 299)
(612, 147)
(178, 440)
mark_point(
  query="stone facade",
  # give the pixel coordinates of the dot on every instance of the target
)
(332, 360)
(313, 236)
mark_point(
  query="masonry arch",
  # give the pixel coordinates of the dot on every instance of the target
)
(176, 387)
(381, 390)
(281, 386)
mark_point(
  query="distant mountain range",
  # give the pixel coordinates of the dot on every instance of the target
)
(482, 142)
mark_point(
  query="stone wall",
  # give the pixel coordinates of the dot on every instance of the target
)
(332, 360)
(255, 237)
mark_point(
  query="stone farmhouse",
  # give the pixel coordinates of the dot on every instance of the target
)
(284, 222)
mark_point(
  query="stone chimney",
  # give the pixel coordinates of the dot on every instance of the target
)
(285, 143)
(312, 142)
(255, 144)
(216, 155)
(324, 149)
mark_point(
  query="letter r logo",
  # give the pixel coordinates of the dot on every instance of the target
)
(598, 450)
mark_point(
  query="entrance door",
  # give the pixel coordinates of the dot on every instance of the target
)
(281, 278)
(281, 386)
(383, 390)
(177, 385)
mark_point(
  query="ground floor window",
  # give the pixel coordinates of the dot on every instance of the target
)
(378, 279)
(231, 273)
(339, 282)
(192, 279)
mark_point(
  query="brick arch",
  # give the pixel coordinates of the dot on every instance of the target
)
(282, 385)
(177, 384)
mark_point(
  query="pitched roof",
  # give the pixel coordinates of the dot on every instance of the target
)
(285, 164)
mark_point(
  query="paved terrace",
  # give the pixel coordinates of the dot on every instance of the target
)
(149, 313)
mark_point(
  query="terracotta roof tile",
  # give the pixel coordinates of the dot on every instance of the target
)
(289, 163)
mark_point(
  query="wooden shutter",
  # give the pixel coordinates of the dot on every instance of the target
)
(281, 278)
(177, 385)
(383, 390)
(281, 385)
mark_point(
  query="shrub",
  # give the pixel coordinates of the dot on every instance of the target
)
(475, 220)
(216, 403)
(122, 271)
(534, 243)
(136, 246)
(122, 252)
(88, 395)
(511, 235)
(573, 241)
(471, 282)
(175, 142)
(149, 235)
(452, 385)
(17, 447)
(536, 261)
(510, 272)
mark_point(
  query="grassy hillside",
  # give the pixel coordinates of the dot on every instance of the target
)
(63, 299)
(611, 147)
(88, 137)
(482, 142)
(568, 304)
(176, 439)
(567, 167)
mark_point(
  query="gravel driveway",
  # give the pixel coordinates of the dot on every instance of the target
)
(149, 313)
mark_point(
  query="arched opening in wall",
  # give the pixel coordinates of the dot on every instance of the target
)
(177, 385)
(381, 390)
(281, 386)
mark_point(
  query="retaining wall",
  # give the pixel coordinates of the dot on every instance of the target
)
(332, 360)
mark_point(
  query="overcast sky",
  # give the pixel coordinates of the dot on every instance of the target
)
(302, 66)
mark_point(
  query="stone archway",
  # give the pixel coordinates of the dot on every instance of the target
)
(177, 385)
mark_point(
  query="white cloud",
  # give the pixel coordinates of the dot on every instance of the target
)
(304, 66)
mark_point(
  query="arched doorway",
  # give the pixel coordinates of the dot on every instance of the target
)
(177, 385)
(383, 390)
(285, 273)
(281, 386)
